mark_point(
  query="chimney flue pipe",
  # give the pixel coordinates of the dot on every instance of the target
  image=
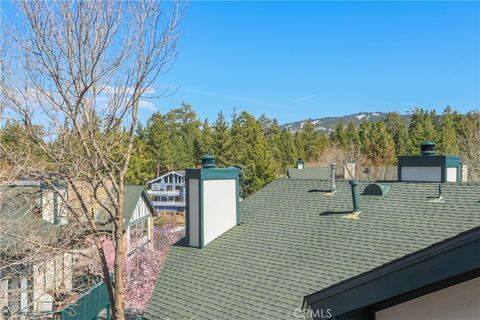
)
(332, 177)
(208, 161)
(355, 198)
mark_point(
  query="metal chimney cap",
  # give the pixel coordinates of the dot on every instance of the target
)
(428, 148)
(353, 182)
(208, 161)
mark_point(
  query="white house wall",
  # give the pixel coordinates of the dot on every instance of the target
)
(52, 275)
(47, 205)
(219, 207)
(141, 210)
(459, 302)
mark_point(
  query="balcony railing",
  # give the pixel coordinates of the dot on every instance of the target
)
(164, 192)
(168, 203)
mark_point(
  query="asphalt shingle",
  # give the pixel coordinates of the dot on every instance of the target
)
(294, 240)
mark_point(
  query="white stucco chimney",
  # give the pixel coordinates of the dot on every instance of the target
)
(212, 201)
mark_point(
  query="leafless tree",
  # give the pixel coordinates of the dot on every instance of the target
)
(470, 145)
(80, 69)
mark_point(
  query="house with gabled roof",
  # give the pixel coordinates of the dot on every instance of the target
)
(27, 288)
(306, 248)
(30, 210)
(168, 191)
(138, 213)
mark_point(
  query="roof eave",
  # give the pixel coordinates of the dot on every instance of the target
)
(408, 273)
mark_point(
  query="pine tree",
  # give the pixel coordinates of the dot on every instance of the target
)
(299, 142)
(221, 141)
(397, 128)
(421, 129)
(253, 153)
(377, 144)
(159, 144)
(141, 163)
(353, 139)
(206, 141)
(339, 136)
(314, 141)
(287, 149)
(184, 128)
(272, 132)
(448, 141)
(14, 140)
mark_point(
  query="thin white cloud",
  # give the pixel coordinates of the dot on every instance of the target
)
(304, 98)
(103, 100)
(147, 105)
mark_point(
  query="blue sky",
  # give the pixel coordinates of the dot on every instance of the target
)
(295, 60)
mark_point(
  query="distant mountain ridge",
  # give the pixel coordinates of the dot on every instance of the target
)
(328, 124)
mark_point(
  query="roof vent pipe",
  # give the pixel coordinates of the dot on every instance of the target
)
(440, 195)
(355, 198)
(208, 161)
(428, 148)
(300, 164)
(332, 177)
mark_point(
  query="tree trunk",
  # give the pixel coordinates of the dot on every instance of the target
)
(118, 309)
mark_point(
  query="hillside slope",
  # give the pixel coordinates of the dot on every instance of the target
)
(327, 124)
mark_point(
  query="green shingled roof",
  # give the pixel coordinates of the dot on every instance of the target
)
(293, 241)
(133, 193)
(17, 208)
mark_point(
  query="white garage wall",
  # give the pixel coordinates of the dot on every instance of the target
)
(459, 302)
(219, 207)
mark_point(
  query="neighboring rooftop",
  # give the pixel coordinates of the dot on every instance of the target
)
(309, 173)
(133, 193)
(294, 240)
(19, 206)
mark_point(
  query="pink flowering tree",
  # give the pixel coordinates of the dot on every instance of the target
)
(142, 266)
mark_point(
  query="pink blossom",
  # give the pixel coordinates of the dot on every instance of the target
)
(142, 267)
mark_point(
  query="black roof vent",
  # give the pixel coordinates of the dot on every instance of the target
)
(375, 189)
(428, 148)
